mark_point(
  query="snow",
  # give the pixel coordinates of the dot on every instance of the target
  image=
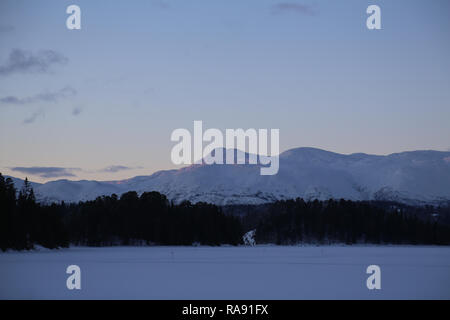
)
(249, 238)
(260, 272)
(416, 177)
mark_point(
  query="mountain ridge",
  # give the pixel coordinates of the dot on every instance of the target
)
(416, 177)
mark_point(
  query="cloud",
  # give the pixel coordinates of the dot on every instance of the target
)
(21, 61)
(11, 100)
(6, 28)
(58, 172)
(114, 169)
(33, 117)
(41, 97)
(47, 172)
(285, 7)
(161, 4)
(76, 111)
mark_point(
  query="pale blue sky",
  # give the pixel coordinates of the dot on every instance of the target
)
(140, 69)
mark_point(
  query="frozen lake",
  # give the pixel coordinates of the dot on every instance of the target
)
(262, 272)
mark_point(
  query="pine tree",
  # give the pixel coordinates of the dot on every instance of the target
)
(26, 220)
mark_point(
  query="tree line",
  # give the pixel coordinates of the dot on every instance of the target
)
(109, 220)
(345, 221)
(150, 219)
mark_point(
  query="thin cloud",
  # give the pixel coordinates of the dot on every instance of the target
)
(41, 97)
(6, 28)
(114, 169)
(21, 61)
(76, 111)
(11, 100)
(298, 8)
(33, 117)
(161, 4)
(47, 172)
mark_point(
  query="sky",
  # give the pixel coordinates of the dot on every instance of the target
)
(101, 102)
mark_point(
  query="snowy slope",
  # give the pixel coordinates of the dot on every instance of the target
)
(411, 177)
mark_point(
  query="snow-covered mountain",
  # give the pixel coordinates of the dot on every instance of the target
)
(410, 177)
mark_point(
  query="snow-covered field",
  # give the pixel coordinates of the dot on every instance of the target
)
(262, 272)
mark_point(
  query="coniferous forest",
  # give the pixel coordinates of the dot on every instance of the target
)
(150, 219)
(350, 222)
